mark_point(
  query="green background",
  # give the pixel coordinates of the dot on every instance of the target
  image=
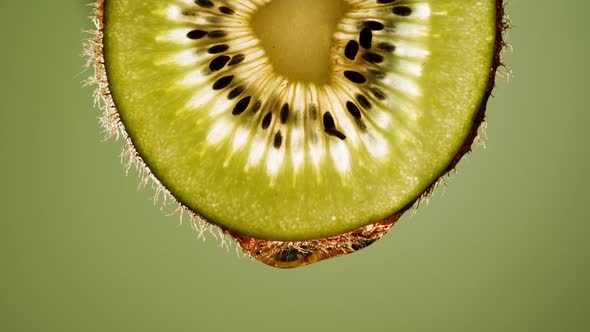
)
(503, 248)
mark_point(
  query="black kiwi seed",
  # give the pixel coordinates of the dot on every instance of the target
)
(226, 10)
(236, 59)
(402, 11)
(204, 3)
(233, 94)
(330, 126)
(223, 82)
(241, 106)
(374, 25)
(351, 49)
(216, 34)
(196, 34)
(329, 122)
(385, 1)
(218, 49)
(366, 38)
(285, 113)
(363, 101)
(278, 141)
(353, 109)
(355, 77)
(387, 47)
(373, 57)
(219, 62)
(266, 120)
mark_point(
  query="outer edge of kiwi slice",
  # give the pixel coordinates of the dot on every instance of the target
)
(281, 254)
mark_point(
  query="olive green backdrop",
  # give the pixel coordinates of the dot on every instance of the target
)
(505, 247)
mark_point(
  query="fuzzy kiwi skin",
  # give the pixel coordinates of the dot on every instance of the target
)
(281, 254)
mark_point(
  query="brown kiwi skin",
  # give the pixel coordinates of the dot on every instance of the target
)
(280, 254)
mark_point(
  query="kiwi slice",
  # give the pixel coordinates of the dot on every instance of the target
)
(301, 128)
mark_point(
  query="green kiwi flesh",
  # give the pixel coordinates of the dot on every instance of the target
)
(290, 130)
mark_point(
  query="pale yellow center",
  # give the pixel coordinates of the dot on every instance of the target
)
(297, 36)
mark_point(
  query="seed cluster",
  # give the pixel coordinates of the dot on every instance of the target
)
(373, 52)
(222, 61)
(364, 56)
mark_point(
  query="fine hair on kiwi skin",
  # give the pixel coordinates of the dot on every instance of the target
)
(284, 254)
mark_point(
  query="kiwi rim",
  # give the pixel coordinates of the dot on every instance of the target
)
(281, 254)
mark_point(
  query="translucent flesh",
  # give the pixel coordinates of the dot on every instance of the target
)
(308, 203)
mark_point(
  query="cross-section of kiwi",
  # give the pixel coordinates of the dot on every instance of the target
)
(302, 128)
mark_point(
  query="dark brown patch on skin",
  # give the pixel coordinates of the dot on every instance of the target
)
(291, 254)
